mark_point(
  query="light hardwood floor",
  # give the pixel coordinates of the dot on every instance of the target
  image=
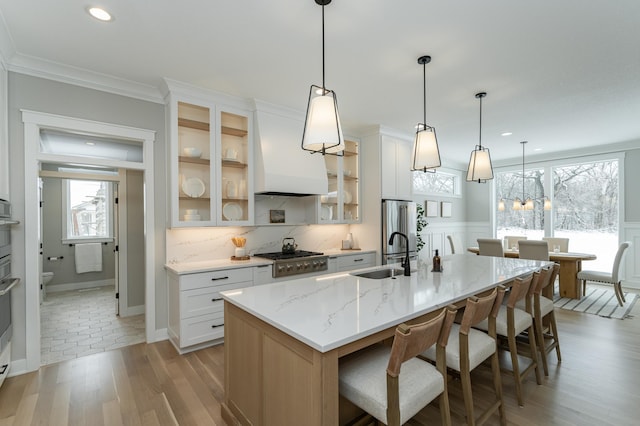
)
(597, 383)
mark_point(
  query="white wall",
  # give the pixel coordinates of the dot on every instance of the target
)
(36, 94)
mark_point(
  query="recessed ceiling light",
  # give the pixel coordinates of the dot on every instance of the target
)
(90, 143)
(100, 14)
(538, 149)
(506, 134)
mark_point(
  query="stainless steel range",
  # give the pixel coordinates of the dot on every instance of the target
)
(296, 262)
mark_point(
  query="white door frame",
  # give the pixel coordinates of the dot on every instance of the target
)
(33, 157)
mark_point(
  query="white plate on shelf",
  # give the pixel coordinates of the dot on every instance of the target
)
(326, 213)
(232, 211)
(193, 187)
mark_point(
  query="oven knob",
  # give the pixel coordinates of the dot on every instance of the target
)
(307, 265)
(298, 266)
(289, 267)
(280, 268)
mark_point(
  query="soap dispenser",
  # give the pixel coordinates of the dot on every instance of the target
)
(437, 266)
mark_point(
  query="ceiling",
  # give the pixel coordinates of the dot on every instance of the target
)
(562, 75)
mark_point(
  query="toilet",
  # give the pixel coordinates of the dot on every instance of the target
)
(46, 277)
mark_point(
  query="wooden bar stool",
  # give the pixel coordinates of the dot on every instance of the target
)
(512, 321)
(410, 383)
(469, 347)
(544, 318)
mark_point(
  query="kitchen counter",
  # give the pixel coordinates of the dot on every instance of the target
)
(221, 264)
(283, 341)
(214, 265)
(328, 311)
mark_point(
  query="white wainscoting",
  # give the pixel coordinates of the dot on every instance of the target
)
(435, 236)
(631, 233)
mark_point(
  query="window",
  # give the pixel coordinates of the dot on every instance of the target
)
(438, 183)
(88, 210)
(585, 196)
(513, 187)
(586, 209)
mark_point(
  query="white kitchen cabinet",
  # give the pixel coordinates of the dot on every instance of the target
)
(210, 157)
(395, 168)
(332, 264)
(5, 362)
(196, 308)
(341, 204)
(355, 261)
(262, 274)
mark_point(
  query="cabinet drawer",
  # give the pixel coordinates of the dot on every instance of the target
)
(356, 261)
(201, 329)
(206, 300)
(215, 278)
(5, 362)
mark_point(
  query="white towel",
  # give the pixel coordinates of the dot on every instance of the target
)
(88, 258)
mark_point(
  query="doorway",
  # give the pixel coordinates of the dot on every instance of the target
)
(83, 278)
(37, 153)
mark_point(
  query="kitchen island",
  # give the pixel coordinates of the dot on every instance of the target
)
(283, 341)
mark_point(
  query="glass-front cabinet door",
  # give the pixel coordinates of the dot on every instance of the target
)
(235, 175)
(194, 151)
(351, 182)
(210, 156)
(341, 203)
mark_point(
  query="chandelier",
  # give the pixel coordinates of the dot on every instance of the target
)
(524, 203)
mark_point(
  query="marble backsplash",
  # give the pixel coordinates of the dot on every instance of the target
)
(202, 244)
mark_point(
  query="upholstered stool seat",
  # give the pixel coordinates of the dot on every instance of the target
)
(483, 347)
(363, 381)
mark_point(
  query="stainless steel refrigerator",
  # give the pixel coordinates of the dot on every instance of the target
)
(398, 216)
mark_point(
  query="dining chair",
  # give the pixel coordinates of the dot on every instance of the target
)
(468, 348)
(533, 249)
(612, 278)
(513, 240)
(490, 247)
(562, 243)
(410, 383)
(511, 322)
(544, 318)
(455, 244)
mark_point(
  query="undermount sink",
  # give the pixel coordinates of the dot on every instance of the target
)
(380, 274)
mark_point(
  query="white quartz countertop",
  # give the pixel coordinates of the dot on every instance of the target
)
(214, 265)
(329, 311)
(220, 264)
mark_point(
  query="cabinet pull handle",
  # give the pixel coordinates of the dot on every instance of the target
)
(263, 266)
(216, 299)
(358, 260)
(4, 368)
(216, 326)
(219, 278)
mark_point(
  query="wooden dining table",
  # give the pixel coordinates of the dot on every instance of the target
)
(570, 264)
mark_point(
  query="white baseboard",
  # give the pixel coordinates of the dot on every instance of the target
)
(18, 367)
(160, 335)
(132, 310)
(80, 286)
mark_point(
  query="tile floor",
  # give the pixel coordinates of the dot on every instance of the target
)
(82, 322)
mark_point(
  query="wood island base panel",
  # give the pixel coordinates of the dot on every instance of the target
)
(284, 341)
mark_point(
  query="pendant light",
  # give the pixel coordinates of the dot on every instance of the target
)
(426, 155)
(480, 169)
(322, 131)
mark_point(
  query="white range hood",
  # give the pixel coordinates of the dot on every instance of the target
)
(281, 166)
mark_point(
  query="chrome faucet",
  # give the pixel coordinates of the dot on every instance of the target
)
(405, 263)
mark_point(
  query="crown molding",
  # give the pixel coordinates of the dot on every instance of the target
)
(55, 71)
(606, 148)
